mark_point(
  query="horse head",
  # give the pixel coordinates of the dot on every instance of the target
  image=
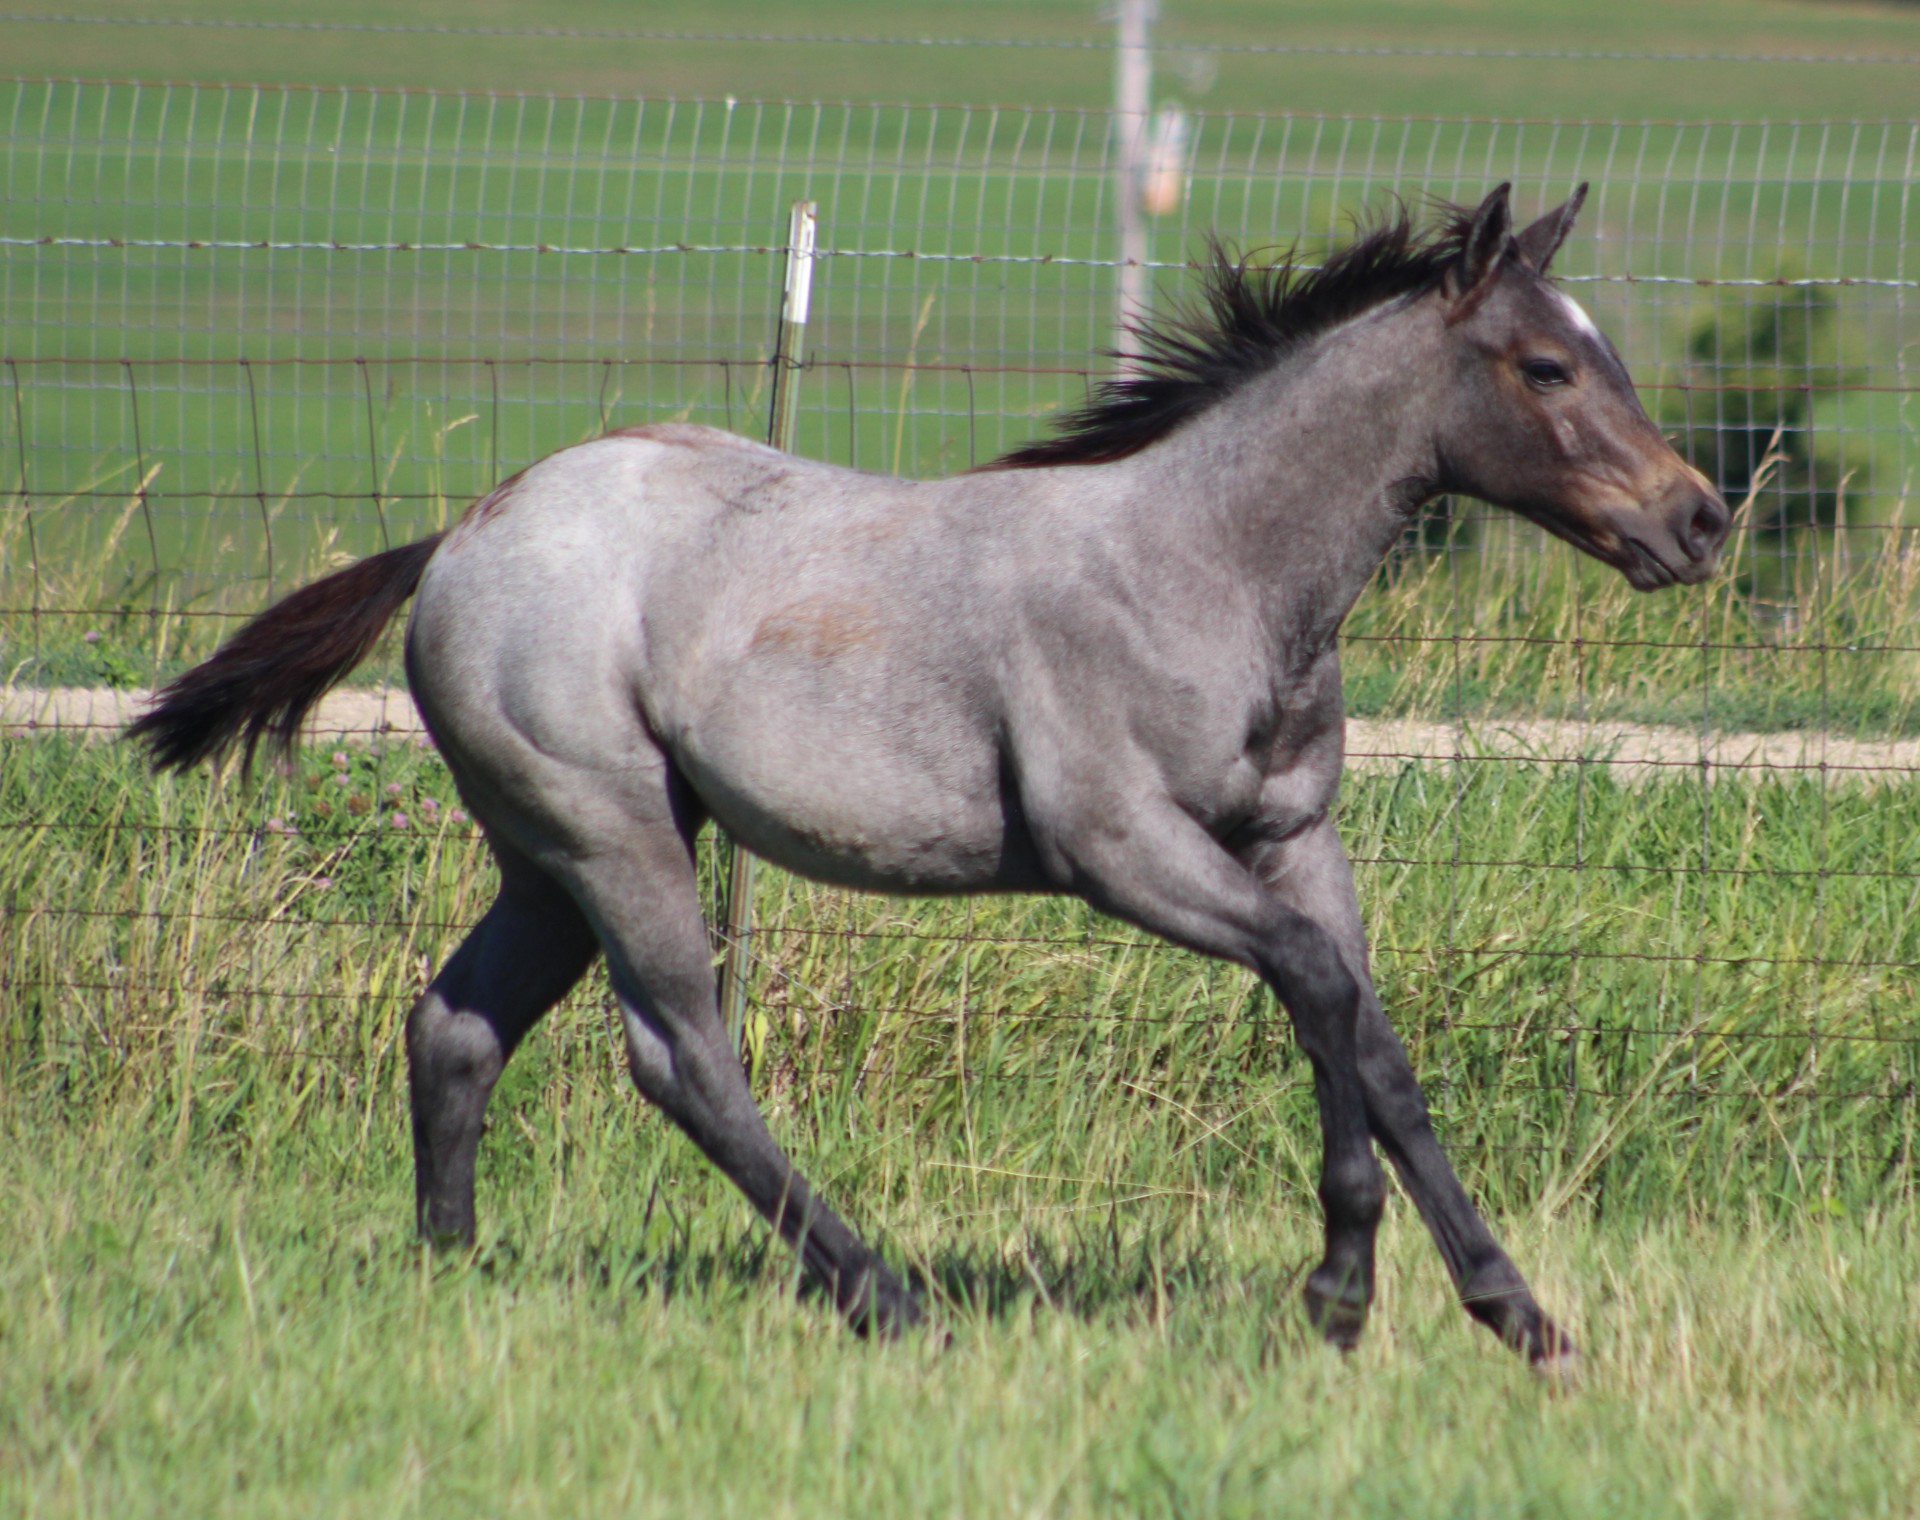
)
(1542, 419)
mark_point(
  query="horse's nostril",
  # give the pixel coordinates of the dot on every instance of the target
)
(1708, 527)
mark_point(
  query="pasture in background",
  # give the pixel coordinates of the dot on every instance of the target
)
(251, 330)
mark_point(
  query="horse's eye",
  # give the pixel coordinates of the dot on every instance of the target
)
(1545, 372)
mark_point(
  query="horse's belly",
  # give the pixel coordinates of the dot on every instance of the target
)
(860, 817)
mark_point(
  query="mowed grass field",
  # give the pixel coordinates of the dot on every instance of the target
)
(1668, 1028)
(776, 67)
(214, 1330)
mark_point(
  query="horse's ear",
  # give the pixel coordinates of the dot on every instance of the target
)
(1483, 249)
(1542, 240)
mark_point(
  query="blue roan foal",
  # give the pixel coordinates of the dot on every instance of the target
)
(1106, 664)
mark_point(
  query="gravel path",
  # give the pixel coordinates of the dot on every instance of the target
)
(1634, 751)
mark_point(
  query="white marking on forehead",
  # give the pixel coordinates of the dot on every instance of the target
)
(1577, 314)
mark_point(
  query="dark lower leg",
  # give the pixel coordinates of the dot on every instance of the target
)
(1490, 1286)
(688, 1070)
(1352, 1195)
(1323, 999)
(520, 959)
(453, 1060)
(1312, 875)
(864, 1288)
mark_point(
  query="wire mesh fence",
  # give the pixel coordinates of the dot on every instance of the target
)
(252, 329)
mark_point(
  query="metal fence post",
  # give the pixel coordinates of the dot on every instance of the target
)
(1133, 69)
(788, 354)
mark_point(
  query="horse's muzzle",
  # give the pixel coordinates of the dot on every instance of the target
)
(1698, 521)
(1673, 539)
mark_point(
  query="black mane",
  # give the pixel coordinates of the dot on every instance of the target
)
(1246, 319)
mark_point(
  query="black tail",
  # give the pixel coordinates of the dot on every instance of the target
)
(264, 680)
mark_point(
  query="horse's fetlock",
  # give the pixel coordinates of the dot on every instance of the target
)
(1497, 1295)
(446, 1227)
(1494, 1281)
(887, 1316)
(880, 1307)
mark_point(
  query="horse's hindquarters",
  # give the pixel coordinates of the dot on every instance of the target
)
(616, 618)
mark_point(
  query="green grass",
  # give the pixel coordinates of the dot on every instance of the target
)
(231, 1332)
(1097, 1154)
(1688, 1094)
(477, 362)
(1518, 87)
(1625, 995)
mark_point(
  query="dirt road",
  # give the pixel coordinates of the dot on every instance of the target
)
(1631, 751)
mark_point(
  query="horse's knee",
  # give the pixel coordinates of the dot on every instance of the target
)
(450, 1052)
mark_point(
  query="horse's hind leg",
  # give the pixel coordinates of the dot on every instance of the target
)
(644, 904)
(519, 960)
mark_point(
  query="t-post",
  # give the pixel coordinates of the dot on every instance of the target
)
(788, 354)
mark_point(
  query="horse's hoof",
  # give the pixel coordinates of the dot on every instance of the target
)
(886, 1316)
(1339, 1314)
(1559, 1367)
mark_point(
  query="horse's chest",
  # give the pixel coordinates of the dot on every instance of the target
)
(1281, 777)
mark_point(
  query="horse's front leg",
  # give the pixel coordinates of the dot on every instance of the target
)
(1156, 867)
(1311, 874)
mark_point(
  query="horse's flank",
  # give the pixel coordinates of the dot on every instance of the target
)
(821, 629)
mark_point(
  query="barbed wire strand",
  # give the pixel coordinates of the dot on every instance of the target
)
(638, 250)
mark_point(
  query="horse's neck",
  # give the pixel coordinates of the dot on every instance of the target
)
(1305, 477)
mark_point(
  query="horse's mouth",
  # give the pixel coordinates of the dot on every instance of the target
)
(1644, 569)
